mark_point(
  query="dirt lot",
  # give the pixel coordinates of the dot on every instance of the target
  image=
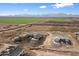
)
(10, 31)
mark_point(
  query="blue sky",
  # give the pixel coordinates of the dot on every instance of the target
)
(38, 8)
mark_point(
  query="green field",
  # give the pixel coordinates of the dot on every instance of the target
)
(28, 20)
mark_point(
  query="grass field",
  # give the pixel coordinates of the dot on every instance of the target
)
(28, 20)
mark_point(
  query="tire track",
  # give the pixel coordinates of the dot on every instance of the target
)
(48, 24)
(72, 53)
(14, 28)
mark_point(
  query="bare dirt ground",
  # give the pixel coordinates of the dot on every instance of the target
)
(9, 31)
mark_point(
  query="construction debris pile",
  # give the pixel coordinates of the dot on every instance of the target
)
(33, 38)
(11, 51)
(60, 41)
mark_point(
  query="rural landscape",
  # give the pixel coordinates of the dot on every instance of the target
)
(41, 33)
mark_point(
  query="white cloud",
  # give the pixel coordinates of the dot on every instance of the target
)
(25, 9)
(61, 5)
(43, 6)
(4, 14)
